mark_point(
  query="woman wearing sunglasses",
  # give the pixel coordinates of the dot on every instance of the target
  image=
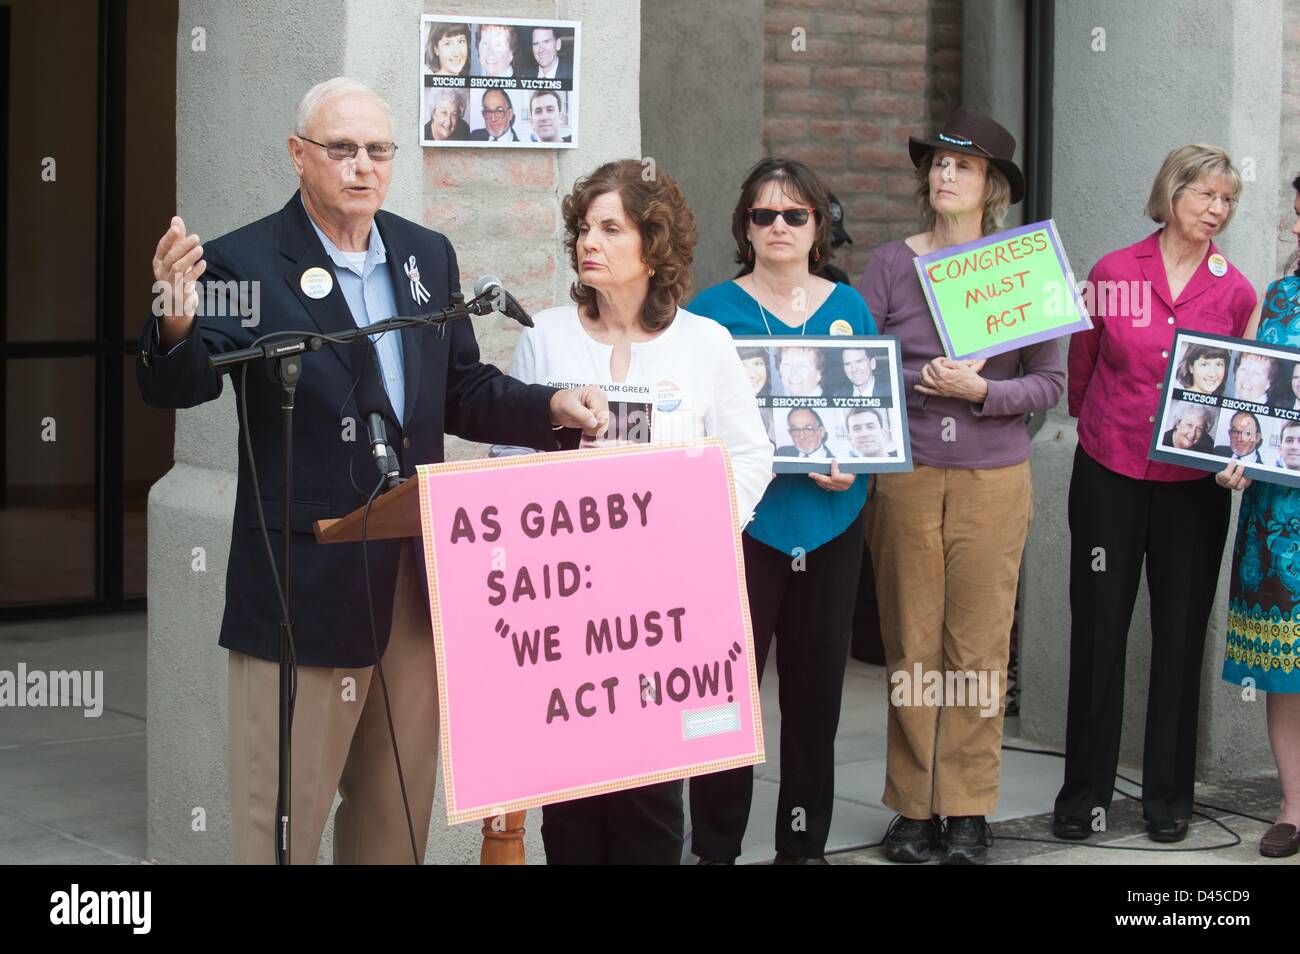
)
(804, 546)
(946, 539)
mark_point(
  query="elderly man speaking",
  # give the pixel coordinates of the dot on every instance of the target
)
(332, 260)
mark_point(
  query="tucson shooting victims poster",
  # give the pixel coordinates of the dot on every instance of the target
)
(829, 399)
(492, 83)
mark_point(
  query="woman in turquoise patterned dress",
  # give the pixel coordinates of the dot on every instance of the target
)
(1264, 599)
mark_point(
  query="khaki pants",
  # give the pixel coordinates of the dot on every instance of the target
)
(946, 546)
(340, 743)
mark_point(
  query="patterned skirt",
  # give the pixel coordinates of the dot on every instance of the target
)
(1264, 598)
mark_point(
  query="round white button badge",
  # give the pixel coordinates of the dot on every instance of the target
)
(668, 397)
(1218, 265)
(316, 283)
(841, 327)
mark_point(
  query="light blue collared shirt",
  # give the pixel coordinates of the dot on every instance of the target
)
(368, 290)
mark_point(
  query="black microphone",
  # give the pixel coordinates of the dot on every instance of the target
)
(371, 400)
(500, 300)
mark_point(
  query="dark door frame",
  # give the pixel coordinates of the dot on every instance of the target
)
(4, 249)
(108, 347)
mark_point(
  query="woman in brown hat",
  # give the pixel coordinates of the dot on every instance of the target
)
(946, 539)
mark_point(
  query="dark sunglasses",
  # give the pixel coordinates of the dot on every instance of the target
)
(793, 217)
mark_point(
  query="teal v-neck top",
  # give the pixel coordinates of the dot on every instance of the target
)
(795, 515)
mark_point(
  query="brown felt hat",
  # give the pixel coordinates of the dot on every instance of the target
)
(977, 135)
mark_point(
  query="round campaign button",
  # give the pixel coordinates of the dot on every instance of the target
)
(841, 327)
(316, 282)
(668, 396)
(1218, 265)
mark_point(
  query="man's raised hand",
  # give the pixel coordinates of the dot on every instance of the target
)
(177, 267)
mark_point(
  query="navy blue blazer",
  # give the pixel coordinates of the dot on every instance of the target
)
(447, 390)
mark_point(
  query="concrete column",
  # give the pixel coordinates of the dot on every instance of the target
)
(702, 112)
(993, 69)
(235, 102)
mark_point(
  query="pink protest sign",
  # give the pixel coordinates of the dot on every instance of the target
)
(589, 622)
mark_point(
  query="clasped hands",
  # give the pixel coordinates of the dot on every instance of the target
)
(944, 377)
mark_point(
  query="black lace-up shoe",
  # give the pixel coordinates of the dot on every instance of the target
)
(966, 840)
(910, 840)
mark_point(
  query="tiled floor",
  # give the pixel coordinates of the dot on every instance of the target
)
(72, 789)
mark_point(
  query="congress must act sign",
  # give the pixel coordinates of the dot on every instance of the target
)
(590, 623)
(1002, 292)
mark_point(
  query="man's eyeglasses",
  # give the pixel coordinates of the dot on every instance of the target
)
(497, 113)
(1247, 435)
(793, 217)
(807, 431)
(377, 151)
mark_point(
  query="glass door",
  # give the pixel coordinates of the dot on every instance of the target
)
(88, 176)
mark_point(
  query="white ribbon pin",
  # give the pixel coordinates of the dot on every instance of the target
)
(418, 291)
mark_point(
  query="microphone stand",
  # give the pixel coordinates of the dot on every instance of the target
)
(284, 364)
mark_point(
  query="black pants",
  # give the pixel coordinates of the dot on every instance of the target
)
(1180, 528)
(810, 611)
(641, 826)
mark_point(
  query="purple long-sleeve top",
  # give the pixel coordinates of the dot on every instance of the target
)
(952, 432)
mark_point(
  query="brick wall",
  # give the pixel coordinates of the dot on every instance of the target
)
(844, 94)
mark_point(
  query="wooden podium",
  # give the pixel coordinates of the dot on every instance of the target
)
(394, 515)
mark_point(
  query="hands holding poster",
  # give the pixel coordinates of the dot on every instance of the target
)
(589, 622)
(1228, 400)
(1002, 292)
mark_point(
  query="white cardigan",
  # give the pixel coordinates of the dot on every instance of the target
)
(690, 372)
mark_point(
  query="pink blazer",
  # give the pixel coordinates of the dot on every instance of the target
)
(1117, 370)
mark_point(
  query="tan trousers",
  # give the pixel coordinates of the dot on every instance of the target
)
(340, 743)
(946, 547)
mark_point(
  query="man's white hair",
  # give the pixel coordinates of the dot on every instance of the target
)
(338, 86)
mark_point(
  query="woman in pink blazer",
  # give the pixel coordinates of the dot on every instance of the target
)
(1125, 509)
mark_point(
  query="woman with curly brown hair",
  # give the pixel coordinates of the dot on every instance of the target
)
(670, 376)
